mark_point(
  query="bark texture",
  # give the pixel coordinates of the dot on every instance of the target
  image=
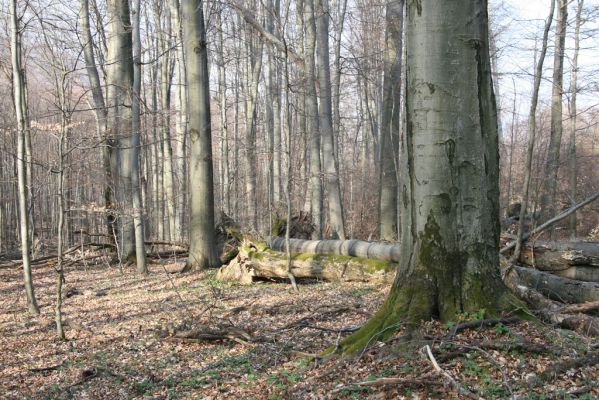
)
(388, 205)
(449, 261)
(202, 239)
(250, 266)
(21, 110)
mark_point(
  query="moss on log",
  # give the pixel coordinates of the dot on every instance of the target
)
(253, 264)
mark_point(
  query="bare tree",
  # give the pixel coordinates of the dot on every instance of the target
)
(450, 203)
(21, 110)
(388, 204)
(202, 240)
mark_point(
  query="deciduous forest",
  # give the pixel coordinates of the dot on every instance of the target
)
(299, 199)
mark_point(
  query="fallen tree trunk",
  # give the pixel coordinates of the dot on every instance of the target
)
(574, 260)
(549, 310)
(352, 248)
(555, 287)
(250, 266)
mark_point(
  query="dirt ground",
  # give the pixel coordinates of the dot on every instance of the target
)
(135, 337)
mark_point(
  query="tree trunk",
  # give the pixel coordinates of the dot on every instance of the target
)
(138, 214)
(202, 240)
(532, 131)
(549, 199)
(573, 114)
(331, 179)
(224, 128)
(449, 259)
(120, 82)
(555, 287)
(312, 125)
(21, 110)
(352, 248)
(388, 207)
(254, 265)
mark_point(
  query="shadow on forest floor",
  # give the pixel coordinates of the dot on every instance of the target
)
(124, 341)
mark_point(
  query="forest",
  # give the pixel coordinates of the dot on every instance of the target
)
(299, 199)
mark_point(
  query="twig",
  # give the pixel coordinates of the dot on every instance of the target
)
(480, 323)
(456, 385)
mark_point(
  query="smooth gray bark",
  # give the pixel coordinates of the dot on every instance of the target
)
(202, 240)
(388, 202)
(120, 83)
(138, 213)
(312, 120)
(449, 259)
(21, 110)
(331, 170)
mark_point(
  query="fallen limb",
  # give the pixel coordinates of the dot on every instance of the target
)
(551, 222)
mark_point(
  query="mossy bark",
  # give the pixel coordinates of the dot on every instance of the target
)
(449, 257)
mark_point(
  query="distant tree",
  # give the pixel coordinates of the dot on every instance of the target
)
(388, 201)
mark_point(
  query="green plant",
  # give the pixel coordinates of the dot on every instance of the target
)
(502, 329)
(144, 386)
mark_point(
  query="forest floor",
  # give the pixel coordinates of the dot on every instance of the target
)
(128, 336)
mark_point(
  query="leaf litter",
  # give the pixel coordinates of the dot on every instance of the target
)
(188, 336)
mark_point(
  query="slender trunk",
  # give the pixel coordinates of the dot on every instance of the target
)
(573, 118)
(224, 128)
(532, 131)
(549, 203)
(388, 205)
(21, 110)
(326, 121)
(138, 214)
(337, 63)
(254, 48)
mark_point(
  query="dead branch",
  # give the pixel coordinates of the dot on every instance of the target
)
(551, 222)
(481, 323)
(559, 368)
(452, 382)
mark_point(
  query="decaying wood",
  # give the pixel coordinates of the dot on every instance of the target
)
(574, 260)
(254, 265)
(353, 248)
(547, 309)
(557, 288)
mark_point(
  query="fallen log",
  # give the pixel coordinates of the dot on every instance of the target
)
(548, 310)
(557, 288)
(574, 260)
(352, 248)
(250, 266)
